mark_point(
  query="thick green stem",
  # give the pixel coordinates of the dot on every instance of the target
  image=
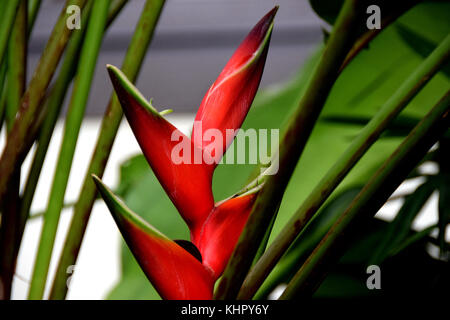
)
(344, 164)
(370, 199)
(33, 8)
(17, 144)
(110, 124)
(16, 61)
(293, 143)
(53, 105)
(3, 91)
(114, 9)
(85, 72)
(8, 17)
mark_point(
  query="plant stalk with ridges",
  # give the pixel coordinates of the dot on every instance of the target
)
(16, 75)
(85, 72)
(17, 145)
(110, 124)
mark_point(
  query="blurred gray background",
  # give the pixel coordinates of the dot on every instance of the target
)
(192, 43)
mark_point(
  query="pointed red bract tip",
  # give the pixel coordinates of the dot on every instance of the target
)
(175, 273)
(255, 41)
(228, 100)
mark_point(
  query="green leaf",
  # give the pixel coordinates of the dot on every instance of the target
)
(411, 240)
(398, 128)
(418, 43)
(327, 9)
(131, 173)
(372, 197)
(400, 226)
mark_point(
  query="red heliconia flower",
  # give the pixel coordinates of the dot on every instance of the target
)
(179, 270)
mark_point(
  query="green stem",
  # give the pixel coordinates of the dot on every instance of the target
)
(114, 10)
(369, 35)
(294, 140)
(8, 17)
(33, 9)
(66, 205)
(3, 92)
(16, 61)
(344, 164)
(416, 237)
(16, 75)
(85, 72)
(17, 144)
(110, 124)
(370, 199)
(53, 107)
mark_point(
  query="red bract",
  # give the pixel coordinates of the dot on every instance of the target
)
(187, 185)
(215, 228)
(175, 273)
(228, 100)
(221, 231)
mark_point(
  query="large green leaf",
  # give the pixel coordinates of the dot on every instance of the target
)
(361, 89)
(328, 10)
(366, 83)
(418, 43)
